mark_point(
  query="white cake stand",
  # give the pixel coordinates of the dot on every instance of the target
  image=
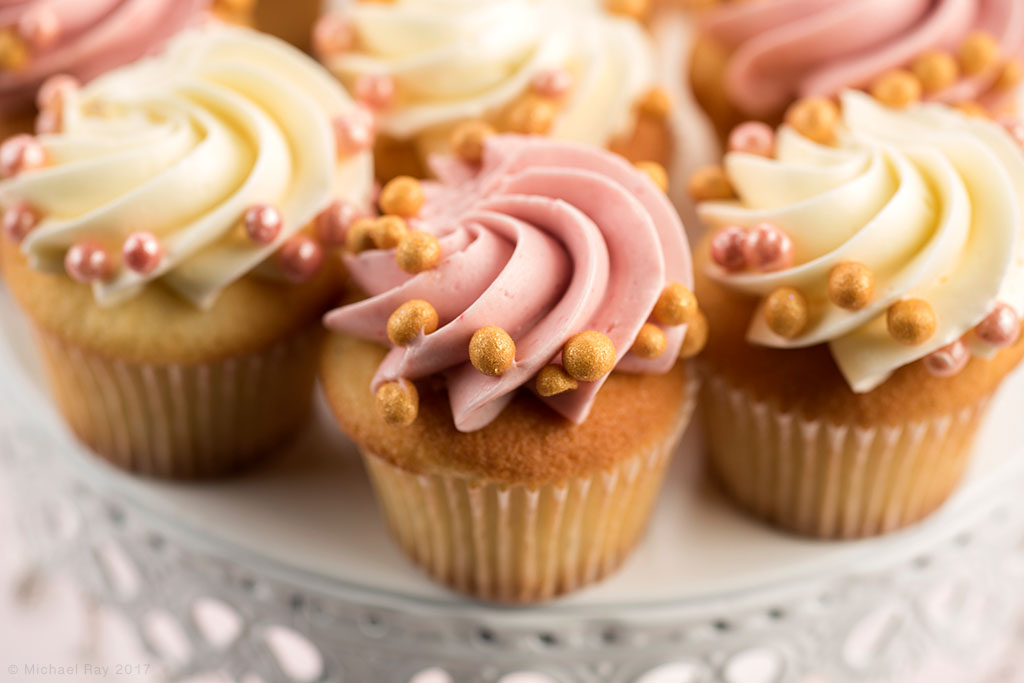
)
(295, 552)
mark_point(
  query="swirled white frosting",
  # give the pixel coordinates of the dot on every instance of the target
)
(179, 146)
(453, 60)
(932, 201)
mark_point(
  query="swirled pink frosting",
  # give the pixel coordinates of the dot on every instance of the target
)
(545, 240)
(785, 49)
(93, 36)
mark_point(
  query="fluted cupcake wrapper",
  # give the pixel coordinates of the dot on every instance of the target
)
(184, 421)
(523, 544)
(828, 480)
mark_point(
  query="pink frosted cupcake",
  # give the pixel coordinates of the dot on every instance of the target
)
(754, 59)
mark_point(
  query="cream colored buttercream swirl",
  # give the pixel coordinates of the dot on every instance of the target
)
(453, 60)
(180, 146)
(929, 199)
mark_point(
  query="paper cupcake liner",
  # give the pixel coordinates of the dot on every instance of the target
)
(828, 480)
(183, 421)
(522, 544)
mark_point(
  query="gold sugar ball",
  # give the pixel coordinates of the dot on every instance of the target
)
(655, 103)
(388, 232)
(936, 70)
(492, 351)
(402, 196)
(360, 235)
(398, 403)
(656, 172)
(897, 89)
(786, 312)
(468, 140)
(815, 118)
(418, 251)
(1010, 75)
(634, 9)
(531, 115)
(553, 380)
(650, 342)
(911, 321)
(588, 356)
(710, 183)
(13, 51)
(676, 305)
(411, 319)
(978, 52)
(969, 108)
(851, 286)
(696, 336)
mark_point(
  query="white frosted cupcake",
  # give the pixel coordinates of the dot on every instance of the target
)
(158, 241)
(565, 68)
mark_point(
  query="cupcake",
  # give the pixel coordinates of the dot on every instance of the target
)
(158, 244)
(290, 20)
(513, 377)
(864, 299)
(756, 58)
(566, 68)
(82, 40)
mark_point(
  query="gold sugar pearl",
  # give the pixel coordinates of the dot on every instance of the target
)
(897, 89)
(650, 342)
(492, 351)
(531, 115)
(911, 321)
(656, 103)
(402, 196)
(360, 235)
(418, 251)
(468, 140)
(710, 183)
(398, 403)
(971, 109)
(676, 305)
(411, 319)
(13, 51)
(634, 9)
(696, 336)
(851, 286)
(786, 312)
(588, 356)
(978, 52)
(553, 380)
(815, 118)
(388, 232)
(1010, 75)
(936, 70)
(656, 172)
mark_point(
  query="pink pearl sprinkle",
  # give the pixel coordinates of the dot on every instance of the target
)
(552, 83)
(1001, 328)
(48, 122)
(88, 262)
(332, 225)
(354, 131)
(40, 26)
(300, 259)
(375, 90)
(55, 90)
(19, 154)
(768, 248)
(262, 223)
(728, 249)
(19, 220)
(949, 360)
(142, 252)
(753, 137)
(333, 35)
